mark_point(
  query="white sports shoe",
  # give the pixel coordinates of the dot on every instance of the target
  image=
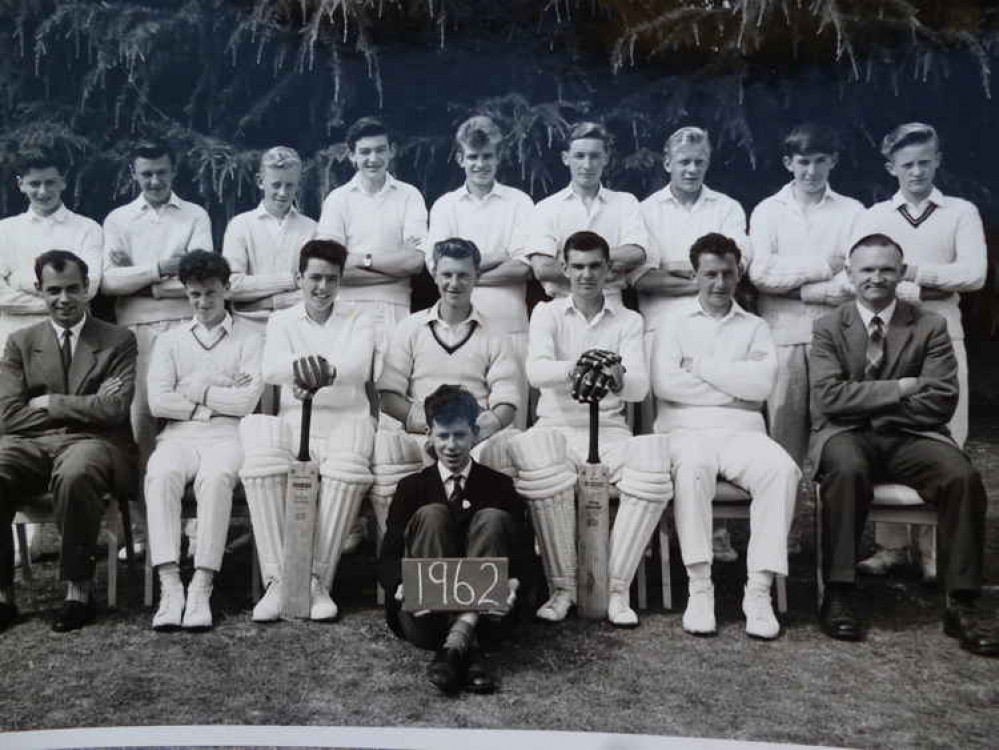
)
(699, 617)
(557, 606)
(323, 607)
(198, 612)
(620, 613)
(884, 560)
(761, 622)
(171, 610)
(268, 609)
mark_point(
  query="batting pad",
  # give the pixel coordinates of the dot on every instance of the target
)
(396, 456)
(265, 482)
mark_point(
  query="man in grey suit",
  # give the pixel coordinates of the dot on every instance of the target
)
(883, 387)
(66, 386)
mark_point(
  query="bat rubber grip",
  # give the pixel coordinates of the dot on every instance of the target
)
(594, 457)
(303, 443)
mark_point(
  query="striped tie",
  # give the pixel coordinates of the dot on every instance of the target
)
(456, 488)
(875, 348)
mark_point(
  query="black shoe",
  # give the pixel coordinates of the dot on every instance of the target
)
(447, 670)
(478, 678)
(838, 618)
(966, 623)
(74, 615)
(8, 615)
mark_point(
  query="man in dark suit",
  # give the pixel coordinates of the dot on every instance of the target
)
(66, 385)
(883, 387)
(453, 508)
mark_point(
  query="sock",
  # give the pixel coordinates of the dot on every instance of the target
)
(461, 633)
(78, 591)
(169, 575)
(203, 578)
(760, 580)
(699, 572)
(7, 595)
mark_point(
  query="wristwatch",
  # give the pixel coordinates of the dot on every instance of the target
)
(367, 260)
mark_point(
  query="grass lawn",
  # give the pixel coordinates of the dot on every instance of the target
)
(908, 685)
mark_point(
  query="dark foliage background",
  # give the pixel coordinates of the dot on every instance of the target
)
(225, 79)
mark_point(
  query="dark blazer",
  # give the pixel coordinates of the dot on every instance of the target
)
(917, 345)
(486, 488)
(32, 366)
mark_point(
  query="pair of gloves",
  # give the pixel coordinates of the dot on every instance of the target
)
(597, 372)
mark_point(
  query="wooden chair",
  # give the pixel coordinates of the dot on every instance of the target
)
(730, 502)
(117, 526)
(892, 503)
(189, 509)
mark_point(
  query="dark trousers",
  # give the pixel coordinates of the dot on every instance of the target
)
(79, 471)
(853, 462)
(434, 532)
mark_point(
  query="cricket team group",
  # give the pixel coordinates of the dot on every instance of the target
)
(853, 374)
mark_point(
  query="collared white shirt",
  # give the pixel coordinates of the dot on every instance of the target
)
(74, 338)
(452, 334)
(795, 247)
(499, 224)
(373, 224)
(947, 247)
(26, 236)
(559, 334)
(673, 227)
(712, 372)
(447, 477)
(867, 315)
(208, 337)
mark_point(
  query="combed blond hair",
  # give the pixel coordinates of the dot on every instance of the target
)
(690, 135)
(280, 157)
(908, 134)
(478, 132)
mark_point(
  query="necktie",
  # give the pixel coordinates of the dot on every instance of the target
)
(66, 354)
(456, 488)
(875, 348)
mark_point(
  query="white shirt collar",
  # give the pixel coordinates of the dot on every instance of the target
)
(145, 205)
(707, 194)
(570, 308)
(225, 325)
(868, 315)
(446, 473)
(786, 194)
(75, 330)
(498, 190)
(357, 185)
(568, 193)
(434, 314)
(262, 213)
(695, 309)
(60, 215)
(935, 196)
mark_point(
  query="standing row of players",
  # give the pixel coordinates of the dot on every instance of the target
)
(800, 237)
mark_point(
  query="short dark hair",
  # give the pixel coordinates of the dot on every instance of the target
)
(456, 247)
(38, 157)
(366, 127)
(203, 265)
(714, 243)
(585, 241)
(328, 250)
(876, 240)
(451, 402)
(58, 259)
(151, 148)
(810, 138)
(592, 130)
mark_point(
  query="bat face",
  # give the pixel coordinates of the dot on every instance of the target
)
(299, 527)
(593, 542)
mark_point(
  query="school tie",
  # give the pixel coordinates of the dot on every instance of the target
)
(66, 354)
(456, 489)
(875, 348)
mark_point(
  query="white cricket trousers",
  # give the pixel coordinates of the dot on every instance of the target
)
(213, 464)
(751, 460)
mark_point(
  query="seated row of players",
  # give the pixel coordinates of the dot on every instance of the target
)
(882, 400)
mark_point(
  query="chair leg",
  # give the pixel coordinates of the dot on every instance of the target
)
(782, 594)
(255, 584)
(819, 582)
(147, 588)
(24, 547)
(112, 540)
(642, 583)
(664, 558)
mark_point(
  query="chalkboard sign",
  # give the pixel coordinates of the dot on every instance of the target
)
(455, 584)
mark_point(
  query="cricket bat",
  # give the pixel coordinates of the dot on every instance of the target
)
(299, 526)
(593, 528)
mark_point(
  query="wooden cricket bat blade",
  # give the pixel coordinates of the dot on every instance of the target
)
(593, 534)
(299, 533)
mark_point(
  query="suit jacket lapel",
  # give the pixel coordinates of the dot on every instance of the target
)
(436, 484)
(84, 357)
(46, 349)
(856, 342)
(897, 338)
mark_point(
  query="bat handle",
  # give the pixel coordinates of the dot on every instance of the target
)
(594, 457)
(303, 443)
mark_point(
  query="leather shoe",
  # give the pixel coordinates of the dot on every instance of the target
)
(74, 615)
(447, 670)
(838, 618)
(965, 622)
(8, 615)
(478, 678)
